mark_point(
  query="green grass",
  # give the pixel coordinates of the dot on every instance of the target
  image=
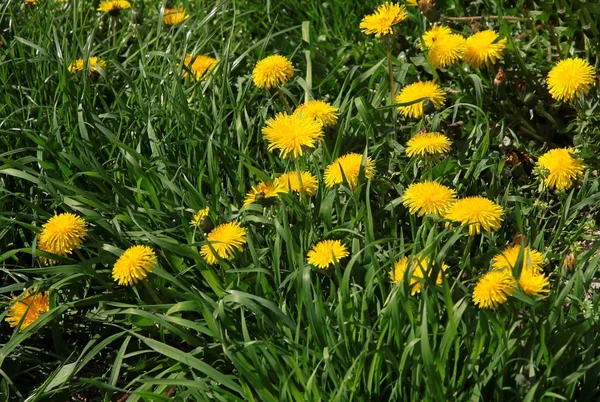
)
(137, 150)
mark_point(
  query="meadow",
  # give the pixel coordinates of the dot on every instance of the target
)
(299, 200)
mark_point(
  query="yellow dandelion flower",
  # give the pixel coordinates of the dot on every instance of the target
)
(62, 234)
(133, 265)
(434, 34)
(560, 168)
(200, 67)
(382, 21)
(422, 89)
(569, 78)
(30, 2)
(174, 16)
(114, 6)
(272, 71)
(95, 64)
(326, 114)
(428, 197)
(305, 184)
(421, 268)
(325, 253)
(224, 239)
(29, 306)
(533, 282)
(412, 3)
(532, 259)
(199, 216)
(446, 51)
(348, 167)
(424, 144)
(483, 48)
(493, 289)
(292, 133)
(265, 193)
(477, 212)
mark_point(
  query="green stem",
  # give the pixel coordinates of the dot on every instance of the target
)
(284, 100)
(388, 45)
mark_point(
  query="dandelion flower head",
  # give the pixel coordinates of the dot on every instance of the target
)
(201, 214)
(29, 306)
(272, 71)
(62, 234)
(533, 282)
(428, 197)
(265, 193)
(305, 184)
(133, 265)
(532, 259)
(422, 89)
(421, 266)
(114, 6)
(174, 16)
(560, 168)
(200, 66)
(446, 51)
(326, 114)
(483, 48)
(493, 289)
(383, 20)
(348, 167)
(95, 64)
(569, 78)
(325, 253)
(477, 212)
(292, 134)
(225, 239)
(428, 144)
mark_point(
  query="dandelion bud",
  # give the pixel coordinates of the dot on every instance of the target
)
(500, 79)
(570, 261)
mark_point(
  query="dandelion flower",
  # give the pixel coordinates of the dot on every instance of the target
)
(493, 289)
(174, 16)
(428, 197)
(533, 282)
(265, 193)
(325, 253)
(326, 114)
(382, 21)
(133, 265)
(483, 48)
(306, 184)
(434, 34)
(201, 66)
(272, 71)
(477, 212)
(62, 234)
(199, 216)
(428, 144)
(292, 133)
(95, 64)
(421, 268)
(569, 78)
(31, 2)
(348, 167)
(560, 168)
(412, 3)
(422, 89)
(29, 306)
(446, 51)
(224, 239)
(532, 259)
(114, 6)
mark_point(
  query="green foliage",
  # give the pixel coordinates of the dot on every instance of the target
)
(137, 150)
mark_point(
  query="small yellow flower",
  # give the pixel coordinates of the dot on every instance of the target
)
(225, 239)
(428, 144)
(434, 34)
(422, 89)
(133, 265)
(29, 306)
(174, 16)
(201, 214)
(272, 71)
(477, 212)
(569, 78)
(114, 6)
(428, 197)
(413, 3)
(560, 168)
(421, 268)
(31, 2)
(533, 282)
(325, 253)
(532, 259)
(493, 289)
(201, 66)
(446, 51)
(382, 21)
(61, 234)
(95, 64)
(292, 134)
(348, 167)
(305, 184)
(265, 193)
(326, 114)
(483, 48)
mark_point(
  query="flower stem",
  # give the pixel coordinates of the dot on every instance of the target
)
(284, 100)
